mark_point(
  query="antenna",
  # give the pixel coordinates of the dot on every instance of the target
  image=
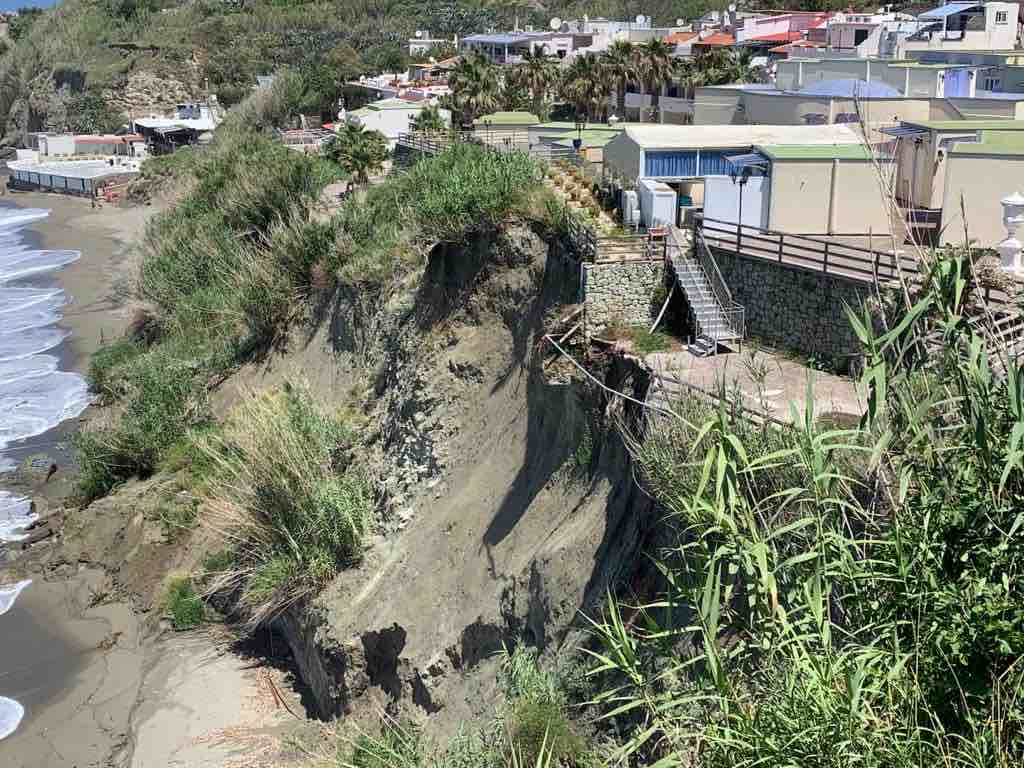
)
(555, 23)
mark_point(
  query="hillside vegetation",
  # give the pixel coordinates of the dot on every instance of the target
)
(63, 60)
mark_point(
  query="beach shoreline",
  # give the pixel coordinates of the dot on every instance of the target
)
(63, 646)
(101, 680)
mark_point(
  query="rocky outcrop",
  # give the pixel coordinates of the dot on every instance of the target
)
(146, 92)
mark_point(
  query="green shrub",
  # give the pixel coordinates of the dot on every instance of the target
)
(161, 399)
(105, 366)
(541, 728)
(286, 491)
(839, 596)
(182, 604)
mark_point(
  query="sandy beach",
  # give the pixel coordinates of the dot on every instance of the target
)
(102, 684)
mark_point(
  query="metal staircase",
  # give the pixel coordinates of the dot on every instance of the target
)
(716, 317)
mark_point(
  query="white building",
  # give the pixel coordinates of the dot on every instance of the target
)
(391, 117)
(966, 26)
(870, 34)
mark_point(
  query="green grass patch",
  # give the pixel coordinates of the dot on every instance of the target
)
(106, 364)
(288, 491)
(181, 603)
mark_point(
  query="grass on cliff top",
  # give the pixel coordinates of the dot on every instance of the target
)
(287, 495)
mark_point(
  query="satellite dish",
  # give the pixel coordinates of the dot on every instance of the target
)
(555, 23)
(640, 18)
(419, 33)
(732, 7)
(680, 22)
(881, 10)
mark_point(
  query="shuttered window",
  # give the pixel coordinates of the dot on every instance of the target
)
(713, 162)
(670, 164)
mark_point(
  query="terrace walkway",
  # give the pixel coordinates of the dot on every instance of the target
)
(678, 375)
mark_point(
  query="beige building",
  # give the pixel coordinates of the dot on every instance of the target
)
(760, 105)
(833, 189)
(980, 173)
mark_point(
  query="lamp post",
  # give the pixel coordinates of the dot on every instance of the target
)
(741, 177)
(577, 143)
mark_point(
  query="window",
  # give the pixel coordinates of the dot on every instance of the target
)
(990, 84)
(1000, 17)
(859, 36)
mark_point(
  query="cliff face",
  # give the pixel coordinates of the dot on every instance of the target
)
(511, 505)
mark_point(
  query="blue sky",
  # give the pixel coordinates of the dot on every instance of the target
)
(13, 5)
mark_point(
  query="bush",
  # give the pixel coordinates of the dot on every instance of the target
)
(287, 491)
(161, 400)
(105, 365)
(182, 604)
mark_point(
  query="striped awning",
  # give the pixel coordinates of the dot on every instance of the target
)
(748, 160)
(900, 131)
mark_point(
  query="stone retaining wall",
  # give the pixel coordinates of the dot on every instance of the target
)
(793, 308)
(622, 292)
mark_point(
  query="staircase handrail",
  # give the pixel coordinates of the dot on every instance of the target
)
(732, 312)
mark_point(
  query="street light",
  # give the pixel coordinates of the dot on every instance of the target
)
(741, 177)
(577, 143)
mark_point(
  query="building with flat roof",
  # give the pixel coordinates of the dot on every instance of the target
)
(966, 26)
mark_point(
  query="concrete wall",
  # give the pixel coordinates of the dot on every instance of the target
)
(981, 180)
(621, 293)
(794, 309)
(801, 198)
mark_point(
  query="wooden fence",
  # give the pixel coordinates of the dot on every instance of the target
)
(829, 254)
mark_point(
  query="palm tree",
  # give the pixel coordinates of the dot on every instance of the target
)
(359, 152)
(538, 74)
(620, 61)
(475, 88)
(429, 120)
(718, 66)
(657, 67)
(587, 86)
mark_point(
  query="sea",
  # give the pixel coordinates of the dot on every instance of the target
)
(35, 394)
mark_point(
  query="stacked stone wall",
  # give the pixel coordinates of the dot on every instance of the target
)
(622, 293)
(793, 308)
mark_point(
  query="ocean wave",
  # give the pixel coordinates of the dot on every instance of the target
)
(26, 263)
(9, 593)
(30, 342)
(15, 516)
(11, 713)
(17, 299)
(15, 218)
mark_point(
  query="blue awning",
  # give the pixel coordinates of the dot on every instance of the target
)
(748, 160)
(900, 131)
(949, 9)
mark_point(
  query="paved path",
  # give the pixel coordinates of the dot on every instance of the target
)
(785, 382)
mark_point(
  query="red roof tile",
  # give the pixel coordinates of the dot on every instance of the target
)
(718, 38)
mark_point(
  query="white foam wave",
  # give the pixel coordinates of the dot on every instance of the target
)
(15, 218)
(29, 342)
(34, 395)
(11, 713)
(9, 593)
(26, 263)
(15, 516)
